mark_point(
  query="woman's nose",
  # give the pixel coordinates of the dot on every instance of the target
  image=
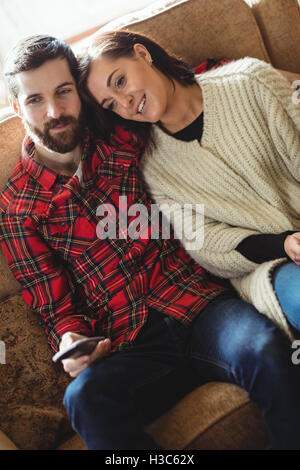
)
(126, 101)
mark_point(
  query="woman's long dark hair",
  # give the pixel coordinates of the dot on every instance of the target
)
(114, 45)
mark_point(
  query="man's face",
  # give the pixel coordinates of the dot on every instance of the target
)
(50, 107)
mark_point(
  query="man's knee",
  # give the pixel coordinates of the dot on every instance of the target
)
(98, 385)
(88, 386)
(77, 393)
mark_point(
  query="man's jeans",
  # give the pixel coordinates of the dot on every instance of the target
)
(229, 341)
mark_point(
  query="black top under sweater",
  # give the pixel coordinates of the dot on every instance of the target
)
(256, 248)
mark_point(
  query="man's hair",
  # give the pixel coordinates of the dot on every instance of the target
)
(30, 53)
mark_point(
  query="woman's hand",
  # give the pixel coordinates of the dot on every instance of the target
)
(75, 366)
(292, 247)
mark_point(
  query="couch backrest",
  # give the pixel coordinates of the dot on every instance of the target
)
(279, 24)
(197, 29)
(11, 137)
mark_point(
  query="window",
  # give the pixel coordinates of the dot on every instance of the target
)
(65, 19)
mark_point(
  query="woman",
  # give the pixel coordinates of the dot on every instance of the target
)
(228, 139)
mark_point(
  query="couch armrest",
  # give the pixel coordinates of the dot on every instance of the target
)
(6, 443)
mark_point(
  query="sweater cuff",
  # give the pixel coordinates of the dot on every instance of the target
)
(263, 247)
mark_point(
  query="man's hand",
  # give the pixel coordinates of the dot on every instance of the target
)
(292, 247)
(75, 366)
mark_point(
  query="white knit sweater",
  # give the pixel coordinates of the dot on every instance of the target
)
(246, 172)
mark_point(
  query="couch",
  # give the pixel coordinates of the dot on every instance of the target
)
(214, 415)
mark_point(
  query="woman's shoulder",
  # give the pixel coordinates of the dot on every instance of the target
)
(245, 67)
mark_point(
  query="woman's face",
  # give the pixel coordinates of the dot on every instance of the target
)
(131, 87)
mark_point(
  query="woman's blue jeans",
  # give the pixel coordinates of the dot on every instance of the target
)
(229, 341)
(286, 281)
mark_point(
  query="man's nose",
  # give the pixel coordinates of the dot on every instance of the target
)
(54, 110)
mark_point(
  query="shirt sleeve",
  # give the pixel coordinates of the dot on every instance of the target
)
(47, 286)
(209, 64)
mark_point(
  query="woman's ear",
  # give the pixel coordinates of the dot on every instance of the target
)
(142, 51)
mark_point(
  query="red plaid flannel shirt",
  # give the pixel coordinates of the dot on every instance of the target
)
(77, 281)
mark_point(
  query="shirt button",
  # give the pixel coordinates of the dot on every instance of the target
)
(63, 224)
(122, 167)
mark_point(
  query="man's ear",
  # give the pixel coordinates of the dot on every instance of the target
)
(141, 51)
(15, 105)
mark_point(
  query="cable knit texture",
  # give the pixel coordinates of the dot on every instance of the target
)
(246, 172)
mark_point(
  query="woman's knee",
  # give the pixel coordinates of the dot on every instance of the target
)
(286, 282)
(249, 335)
(259, 348)
(231, 329)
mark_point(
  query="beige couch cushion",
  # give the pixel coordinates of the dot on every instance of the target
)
(11, 137)
(279, 23)
(6, 443)
(215, 416)
(31, 385)
(198, 29)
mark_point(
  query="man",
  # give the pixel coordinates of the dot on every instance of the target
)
(159, 311)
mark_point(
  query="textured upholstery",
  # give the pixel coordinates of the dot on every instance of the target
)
(11, 136)
(280, 28)
(193, 23)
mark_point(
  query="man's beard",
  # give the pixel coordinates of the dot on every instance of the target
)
(64, 141)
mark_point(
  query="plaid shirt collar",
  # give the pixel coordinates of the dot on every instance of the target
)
(39, 172)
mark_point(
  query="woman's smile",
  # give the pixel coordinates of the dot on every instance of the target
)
(141, 107)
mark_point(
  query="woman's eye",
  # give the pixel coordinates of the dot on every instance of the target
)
(120, 81)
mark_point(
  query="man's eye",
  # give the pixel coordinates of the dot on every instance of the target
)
(64, 91)
(33, 101)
